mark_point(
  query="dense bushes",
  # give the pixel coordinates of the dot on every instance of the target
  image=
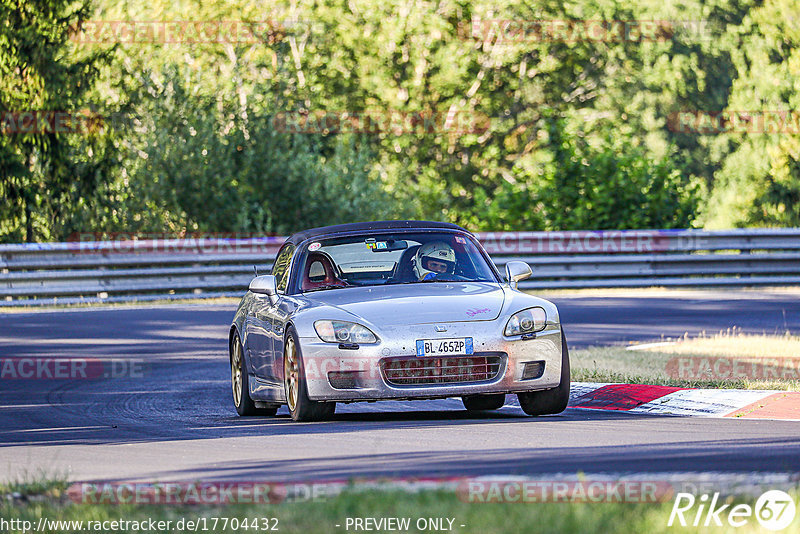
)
(566, 133)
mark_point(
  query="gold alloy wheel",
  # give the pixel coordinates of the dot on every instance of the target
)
(236, 373)
(290, 373)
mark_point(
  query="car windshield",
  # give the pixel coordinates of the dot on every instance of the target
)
(392, 258)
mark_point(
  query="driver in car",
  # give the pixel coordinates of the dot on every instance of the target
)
(433, 259)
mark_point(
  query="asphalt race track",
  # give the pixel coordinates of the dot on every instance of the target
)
(174, 420)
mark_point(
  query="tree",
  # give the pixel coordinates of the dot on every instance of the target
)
(422, 56)
(599, 181)
(201, 163)
(759, 184)
(42, 90)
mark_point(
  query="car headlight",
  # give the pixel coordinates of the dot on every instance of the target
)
(526, 321)
(344, 332)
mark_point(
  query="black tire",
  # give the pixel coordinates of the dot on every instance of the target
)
(241, 392)
(482, 403)
(549, 401)
(301, 408)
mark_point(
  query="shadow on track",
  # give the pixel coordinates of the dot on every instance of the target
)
(719, 456)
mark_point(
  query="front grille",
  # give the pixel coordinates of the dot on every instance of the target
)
(414, 371)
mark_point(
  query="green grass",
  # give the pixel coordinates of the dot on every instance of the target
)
(37, 487)
(651, 366)
(322, 515)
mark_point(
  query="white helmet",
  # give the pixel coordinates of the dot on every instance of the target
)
(440, 253)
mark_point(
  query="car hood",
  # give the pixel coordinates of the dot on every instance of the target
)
(416, 303)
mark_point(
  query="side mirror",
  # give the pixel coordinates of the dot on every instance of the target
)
(264, 285)
(517, 271)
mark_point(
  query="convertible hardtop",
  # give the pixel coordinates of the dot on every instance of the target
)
(299, 237)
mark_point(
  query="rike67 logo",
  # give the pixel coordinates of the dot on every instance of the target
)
(774, 510)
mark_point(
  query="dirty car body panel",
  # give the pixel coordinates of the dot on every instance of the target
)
(446, 337)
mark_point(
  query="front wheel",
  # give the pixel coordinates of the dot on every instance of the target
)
(300, 406)
(549, 401)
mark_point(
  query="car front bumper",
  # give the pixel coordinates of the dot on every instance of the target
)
(365, 365)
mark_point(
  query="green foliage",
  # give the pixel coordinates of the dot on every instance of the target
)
(595, 183)
(225, 172)
(42, 172)
(570, 133)
(613, 185)
(759, 184)
(779, 205)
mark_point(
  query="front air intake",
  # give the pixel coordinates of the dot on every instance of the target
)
(533, 370)
(344, 379)
(414, 371)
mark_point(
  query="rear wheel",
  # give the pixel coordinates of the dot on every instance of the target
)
(300, 406)
(549, 401)
(481, 403)
(240, 384)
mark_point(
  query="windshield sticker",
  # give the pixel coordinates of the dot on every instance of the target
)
(367, 266)
(314, 246)
(461, 240)
(380, 245)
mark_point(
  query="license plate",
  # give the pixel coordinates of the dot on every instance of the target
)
(444, 347)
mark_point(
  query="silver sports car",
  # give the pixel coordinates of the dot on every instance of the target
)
(393, 310)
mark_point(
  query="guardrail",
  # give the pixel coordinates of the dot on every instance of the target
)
(109, 271)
